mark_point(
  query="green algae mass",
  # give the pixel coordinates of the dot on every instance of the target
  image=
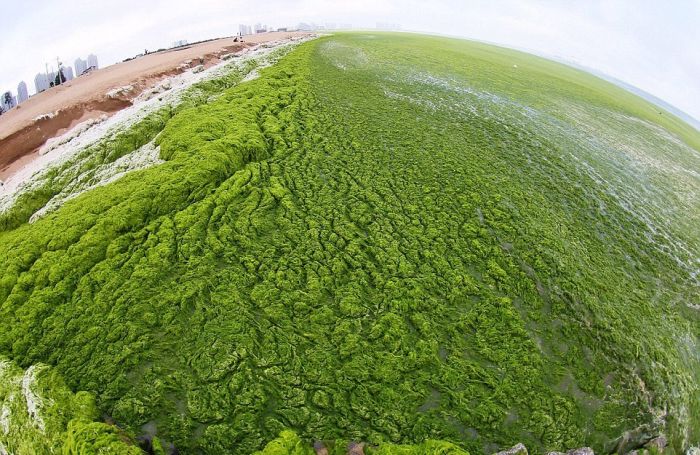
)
(387, 238)
(289, 443)
(40, 415)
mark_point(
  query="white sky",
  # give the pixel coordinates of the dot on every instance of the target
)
(652, 44)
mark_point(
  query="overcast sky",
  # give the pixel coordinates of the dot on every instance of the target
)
(654, 45)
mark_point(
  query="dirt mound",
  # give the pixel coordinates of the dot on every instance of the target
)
(29, 139)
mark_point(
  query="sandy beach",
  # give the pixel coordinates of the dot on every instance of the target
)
(49, 114)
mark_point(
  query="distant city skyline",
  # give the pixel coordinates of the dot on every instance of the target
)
(46, 79)
(650, 45)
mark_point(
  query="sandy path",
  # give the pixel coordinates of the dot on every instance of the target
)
(22, 133)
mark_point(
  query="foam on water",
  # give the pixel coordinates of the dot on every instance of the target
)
(34, 402)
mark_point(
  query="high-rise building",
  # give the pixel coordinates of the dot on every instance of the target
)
(80, 66)
(92, 61)
(22, 93)
(68, 73)
(41, 82)
(244, 29)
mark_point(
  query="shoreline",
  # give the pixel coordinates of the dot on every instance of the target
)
(27, 128)
(29, 169)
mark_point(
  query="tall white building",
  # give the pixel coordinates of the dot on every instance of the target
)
(80, 66)
(68, 73)
(41, 82)
(92, 61)
(22, 93)
(245, 29)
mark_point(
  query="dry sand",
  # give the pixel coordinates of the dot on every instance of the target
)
(25, 129)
